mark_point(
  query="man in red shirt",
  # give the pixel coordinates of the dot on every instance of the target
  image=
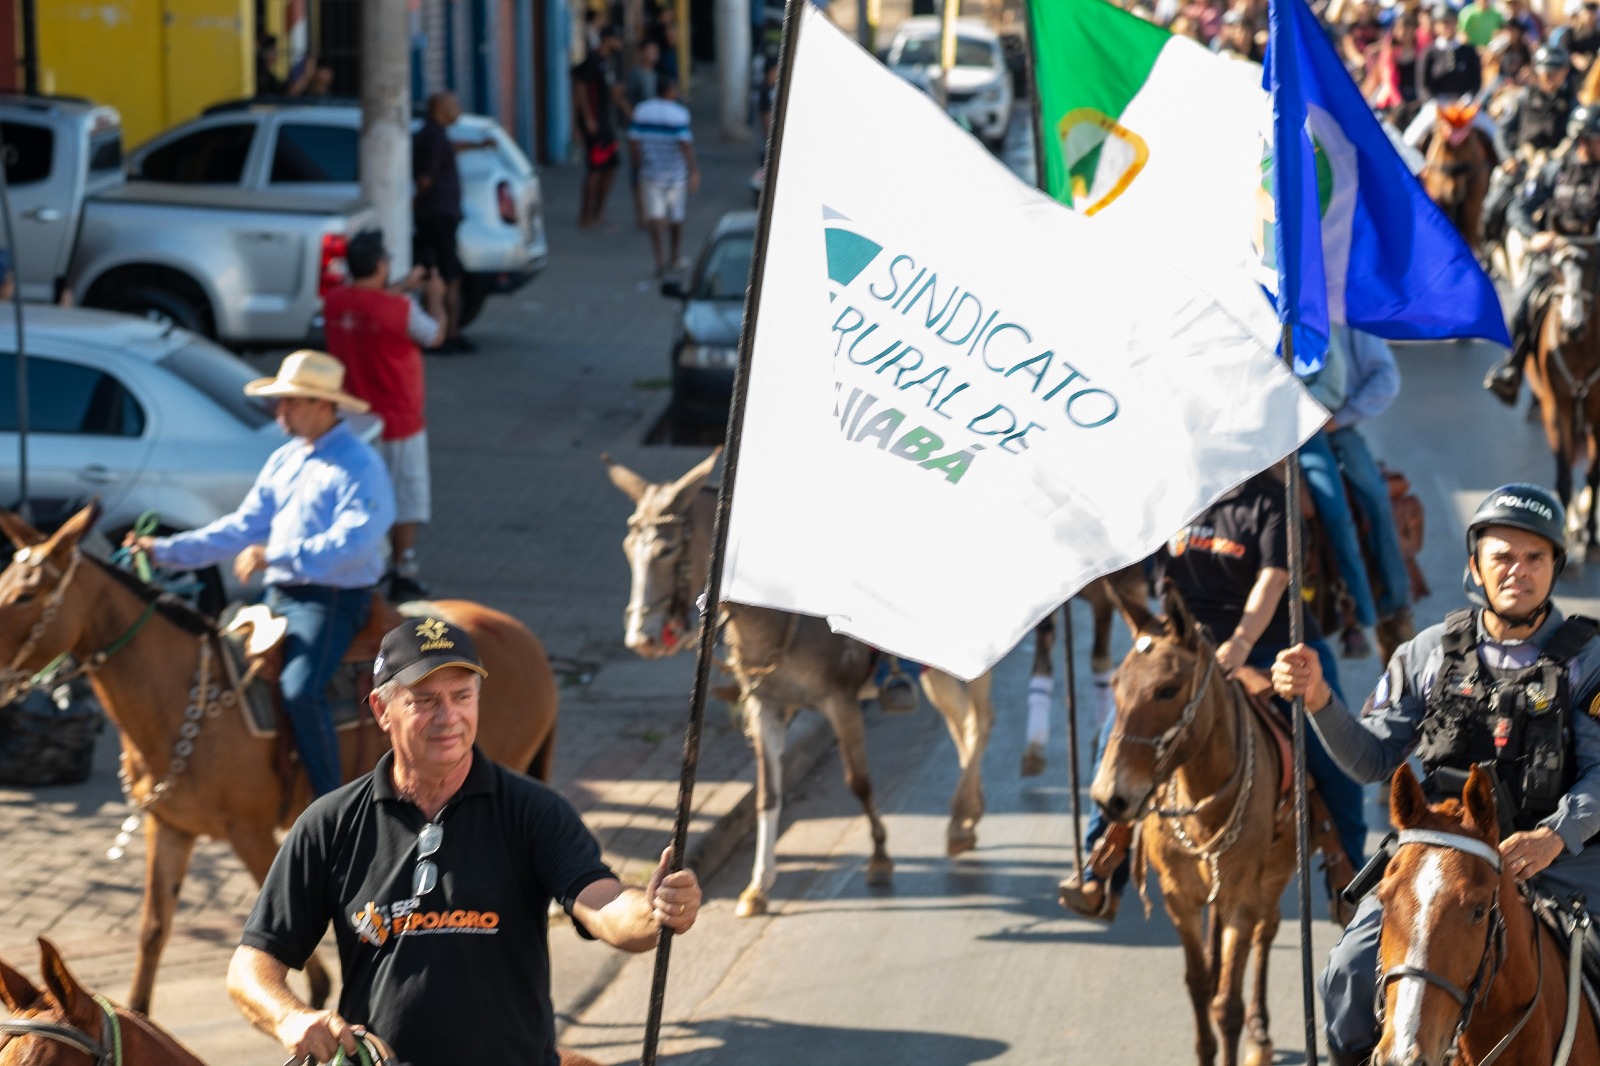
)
(375, 330)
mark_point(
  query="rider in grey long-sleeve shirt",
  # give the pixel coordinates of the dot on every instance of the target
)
(1512, 683)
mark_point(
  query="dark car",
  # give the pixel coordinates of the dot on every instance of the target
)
(706, 347)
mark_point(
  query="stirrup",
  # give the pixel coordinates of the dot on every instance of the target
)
(1505, 382)
(262, 629)
(1075, 896)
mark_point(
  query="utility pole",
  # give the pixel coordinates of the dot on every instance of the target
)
(30, 50)
(733, 68)
(386, 125)
(950, 10)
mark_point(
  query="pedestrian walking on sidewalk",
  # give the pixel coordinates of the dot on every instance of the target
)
(437, 207)
(375, 329)
(641, 84)
(437, 871)
(595, 92)
(662, 148)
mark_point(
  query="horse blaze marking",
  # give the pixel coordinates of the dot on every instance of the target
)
(1408, 1001)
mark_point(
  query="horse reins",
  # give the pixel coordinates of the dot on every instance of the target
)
(1166, 742)
(1494, 950)
(74, 1037)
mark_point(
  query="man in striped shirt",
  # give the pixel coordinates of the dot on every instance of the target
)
(662, 149)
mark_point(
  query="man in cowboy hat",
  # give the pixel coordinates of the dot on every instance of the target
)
(315, 522)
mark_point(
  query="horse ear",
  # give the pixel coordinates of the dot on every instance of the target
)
(1479, 799)
(1407, 804)
(19, 532)
(16, 991)
(77, 1001)
(1177, 612)
(74, 528)
(686, 486)
(632, 485)
(1134, 612)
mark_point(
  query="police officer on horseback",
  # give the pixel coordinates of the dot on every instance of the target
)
(1510, 685)
(1563, 200)
(1533, 125)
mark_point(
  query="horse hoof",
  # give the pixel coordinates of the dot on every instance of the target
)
(1033, 760)
(1258, 1054)
(960, 840)
(752, 903)
(880, 873)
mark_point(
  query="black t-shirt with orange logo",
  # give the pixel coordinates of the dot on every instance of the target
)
(1214, 560)
(462, 971)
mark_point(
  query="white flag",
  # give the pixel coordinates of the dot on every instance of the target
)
(966, 401)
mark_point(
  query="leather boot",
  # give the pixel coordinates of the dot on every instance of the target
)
(1505, 381)
(1092, 899)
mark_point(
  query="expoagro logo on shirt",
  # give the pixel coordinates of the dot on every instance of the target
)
(375, 923)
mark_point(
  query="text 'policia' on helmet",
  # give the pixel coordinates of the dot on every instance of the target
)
(1585, 122)
(1532, 508)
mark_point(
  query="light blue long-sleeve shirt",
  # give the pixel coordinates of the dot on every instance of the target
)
(322, 509)
(1372, 381)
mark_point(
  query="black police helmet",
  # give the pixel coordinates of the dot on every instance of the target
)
(1585, 122)
(1519, 505)
(1552, 57)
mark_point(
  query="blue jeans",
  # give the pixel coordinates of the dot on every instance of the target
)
(322, 623)
(1342, 795)
(1333, 507)
(1371, 491)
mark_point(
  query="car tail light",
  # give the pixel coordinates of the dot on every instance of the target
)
(333, 272)
(508, 203)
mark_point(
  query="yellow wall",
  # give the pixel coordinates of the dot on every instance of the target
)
(158, 62)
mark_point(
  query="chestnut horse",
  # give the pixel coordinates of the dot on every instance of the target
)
(1564, 372)
(63, 1023)
(782, 662)
(1191, 760)
(1456, 169)
(1464, 962)
(194, 767)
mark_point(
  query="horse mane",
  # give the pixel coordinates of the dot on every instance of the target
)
(168, 606)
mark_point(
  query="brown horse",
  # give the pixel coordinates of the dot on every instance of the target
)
(1564, 372)
(1194, 763)
(191, 764)
(63, 1022)
(1456, 169)
(1464, 960)
(782, 662)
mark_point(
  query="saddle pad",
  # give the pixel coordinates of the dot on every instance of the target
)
(1549, 909)
(347, 693)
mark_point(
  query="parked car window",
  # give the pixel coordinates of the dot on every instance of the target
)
(30, 152)
(315, 153)
(221, 377)
(924, 51)
(212, 156)
(727, 269)
(68, 398)
(105, 151)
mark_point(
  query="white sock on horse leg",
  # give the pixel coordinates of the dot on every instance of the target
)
(1104, 703)
(1039, 709)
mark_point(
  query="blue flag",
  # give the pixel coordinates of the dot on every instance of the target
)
(1357, 240)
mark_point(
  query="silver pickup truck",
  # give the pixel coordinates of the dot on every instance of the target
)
(247, 268)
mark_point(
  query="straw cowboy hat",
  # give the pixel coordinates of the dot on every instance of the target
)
(313, 375)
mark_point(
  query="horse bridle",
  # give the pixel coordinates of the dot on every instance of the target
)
(101, 1054)
(1494, 949)
(1166, 743)
(675, 601)
(15, 682)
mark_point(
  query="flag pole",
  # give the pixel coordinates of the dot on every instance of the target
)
(1074, 771)
(1302, 819)
(719, 530)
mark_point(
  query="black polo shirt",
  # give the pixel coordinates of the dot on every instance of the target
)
(1214, 560)
(463, 973)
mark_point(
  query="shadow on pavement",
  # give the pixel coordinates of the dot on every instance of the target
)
(771, 1043)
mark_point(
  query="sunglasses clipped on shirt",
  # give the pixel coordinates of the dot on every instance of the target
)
(425, 878)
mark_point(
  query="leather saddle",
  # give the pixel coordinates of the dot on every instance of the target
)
(253, 650)
(1555, 913)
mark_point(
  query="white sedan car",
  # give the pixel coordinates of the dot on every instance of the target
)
(144, 416)
(980, 82)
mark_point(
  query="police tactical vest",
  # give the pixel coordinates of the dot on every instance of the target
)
(1542, 119)
(1518, 720)
(1575, 199)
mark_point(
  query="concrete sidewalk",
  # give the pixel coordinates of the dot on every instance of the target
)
(524, 520)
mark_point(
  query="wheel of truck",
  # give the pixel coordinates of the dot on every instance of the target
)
(472, 300)
(159, 305)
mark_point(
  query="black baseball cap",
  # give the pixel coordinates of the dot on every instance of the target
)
(419, 646)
